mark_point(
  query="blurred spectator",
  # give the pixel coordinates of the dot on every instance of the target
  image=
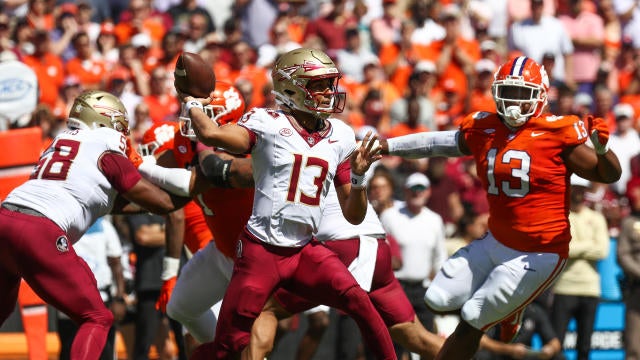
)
(519, 10)
(256, 18)
(525, 36)
(353, 58)
(582, 104)
(281, 43)
(586, 30)
(47, 66)
(445, 199)
(131, 68)
(412, 124)
(142, 122)
(498, 21)
(90, 70)
(213, 53)
(140, 18)
(564, 101)
(330, 29)
(163, 105)
(21, 37)
(420, 234)
(6, 44)
(247, 89)
(85, 20)
(374, 79)
(66, 27)
(603, 99)
(106, 46)
(386, 29)
(196, 31)
(454, 55)
(399, 58)
(243, 67)
(612, 30)
(471, 226)
(182, 13)
(472, 192)
(421, 84)
(629, 14)
(629, 260)
(549, 63)
(69, 90)
(625, 142)
(451, 107)
(40, 13)
(481, 98)
(424, 14)
(489, 50)
(577, 289)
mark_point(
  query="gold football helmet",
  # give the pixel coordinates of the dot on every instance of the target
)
(292, 73)
(94, 108)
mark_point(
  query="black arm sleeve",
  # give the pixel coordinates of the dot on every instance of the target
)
(216, 170)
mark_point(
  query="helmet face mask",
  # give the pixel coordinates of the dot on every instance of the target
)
(94, 109)
(294, 76)
(520, 90)
(227, 106)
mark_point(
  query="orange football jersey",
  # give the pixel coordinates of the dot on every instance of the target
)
(226, 211)
(525, 177)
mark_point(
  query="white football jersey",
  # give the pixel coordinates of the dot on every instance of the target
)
(335, 227)
(67, 186)
(293, 173)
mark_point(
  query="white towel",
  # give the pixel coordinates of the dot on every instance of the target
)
(363, 266)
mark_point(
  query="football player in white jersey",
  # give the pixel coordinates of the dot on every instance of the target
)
(77, 180)
(296, 152)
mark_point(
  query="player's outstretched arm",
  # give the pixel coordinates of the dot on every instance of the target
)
(353, 196)
(230, 137)
(426, 144)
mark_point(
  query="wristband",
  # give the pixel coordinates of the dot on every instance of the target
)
(358, 181)
(119, 299)
(191, 104)
(170, 268)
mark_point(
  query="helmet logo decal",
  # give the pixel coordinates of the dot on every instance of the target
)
(518, 66)
(232, 99)
(311, 65)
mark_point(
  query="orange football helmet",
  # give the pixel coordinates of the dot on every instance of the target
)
(227, 106)
(520, 89)
(159, 137)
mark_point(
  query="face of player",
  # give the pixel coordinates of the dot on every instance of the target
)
(321, 91)
(520, 95)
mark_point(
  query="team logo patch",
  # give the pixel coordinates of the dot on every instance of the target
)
(62, 244)
(239, 249)
(182, 149)
(286, 132)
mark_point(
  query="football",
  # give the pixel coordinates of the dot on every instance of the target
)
(193, 76)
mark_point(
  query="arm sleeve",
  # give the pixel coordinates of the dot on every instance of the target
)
(343, 174)
(119, 171)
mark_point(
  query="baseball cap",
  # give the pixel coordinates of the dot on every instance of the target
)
(141, 40)
(486, 45)
(583, 99)
(485, 65)
(107, 27)
(417, 181)
(623, 110)
(450, 11)
(425, 66)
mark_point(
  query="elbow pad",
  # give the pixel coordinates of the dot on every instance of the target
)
(426, 144)
(216, 170)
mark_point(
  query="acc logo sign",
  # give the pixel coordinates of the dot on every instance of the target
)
(286, 132)
(13, 89)
(62, 244)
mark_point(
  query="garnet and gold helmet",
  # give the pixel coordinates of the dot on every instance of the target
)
(520, 89)
(94, 108)
(292, 73)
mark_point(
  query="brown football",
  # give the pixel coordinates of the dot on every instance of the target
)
(193, 76)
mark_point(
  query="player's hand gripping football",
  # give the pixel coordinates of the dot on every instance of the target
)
(133, 154)
(599, 134)
(366, 154)
(165, 294)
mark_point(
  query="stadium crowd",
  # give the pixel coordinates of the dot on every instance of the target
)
(408, 66)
